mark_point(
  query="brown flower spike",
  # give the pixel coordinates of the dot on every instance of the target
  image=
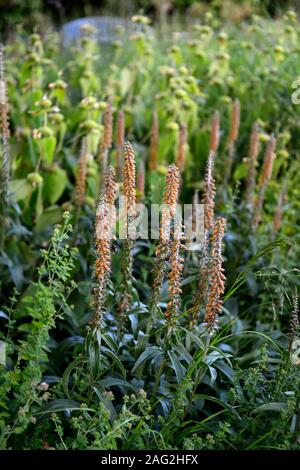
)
(120, 142)
(103, 231)
(217, 277)
(232, 138)
(162, 251)
(106, 141)
(265, 176)
(80, 182)
(208, 198)
(181, 151)
(252, 158)
(215, 132)
(153, 142)
(175, 272)
(129, 190)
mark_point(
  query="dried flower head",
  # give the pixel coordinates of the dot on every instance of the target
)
(153, 142)
(108, 125)
(215, 132)
(208, 198)
(181, 151)
(217, 277)
(81, 172)
(252, 158)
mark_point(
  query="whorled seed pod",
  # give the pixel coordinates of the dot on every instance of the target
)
(215, 132)
(209, 193)
(252, 159)
(153, 152)
(265, 176)
(81, 173)
(141, 182)
(294, 323)
(217, 277)
(181, 151)
(120, 142)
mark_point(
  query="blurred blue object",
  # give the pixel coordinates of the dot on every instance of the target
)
(105, 28)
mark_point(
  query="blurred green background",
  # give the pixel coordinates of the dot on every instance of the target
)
(32, 13)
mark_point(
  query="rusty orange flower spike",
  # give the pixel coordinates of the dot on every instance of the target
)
(215, 132)
(217, 277)
(129, 190)
(208, 198)
(234, 122)
(265, 176)
(153, 157)
(120, 142)
(232, 138)
(106, 141)
(129, 176)
(4, 130)
(174, 276)
(80, 182)
(162, 251)
(141, 182)
(181, 151)
(252, 159)
(110, 185)
(103, 259)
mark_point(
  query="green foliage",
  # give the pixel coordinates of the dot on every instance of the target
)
(136, 383)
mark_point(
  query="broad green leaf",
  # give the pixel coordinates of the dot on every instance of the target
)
(54, 185)
(52, 215)
(58, 405)
(20, 189)
(149, 353)
(47, 148)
